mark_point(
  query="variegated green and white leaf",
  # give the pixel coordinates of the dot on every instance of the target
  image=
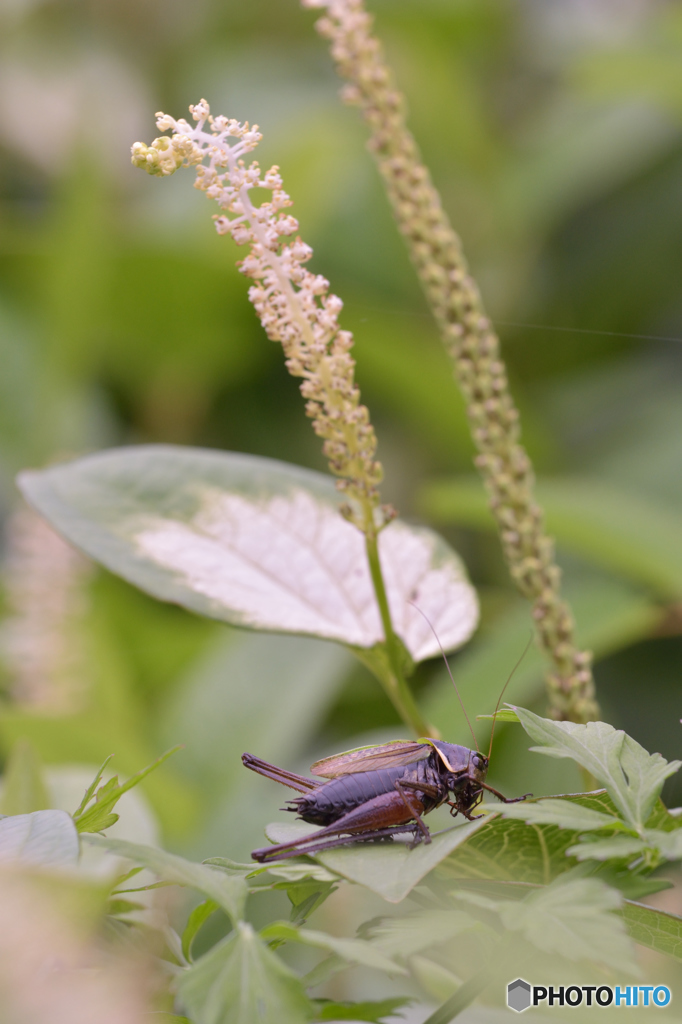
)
(254, 542)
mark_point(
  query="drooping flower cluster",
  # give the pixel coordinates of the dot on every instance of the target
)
(294, 305)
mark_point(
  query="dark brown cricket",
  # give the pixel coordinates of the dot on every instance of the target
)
(375, 792)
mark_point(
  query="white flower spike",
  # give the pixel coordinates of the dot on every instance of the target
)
(293, 304)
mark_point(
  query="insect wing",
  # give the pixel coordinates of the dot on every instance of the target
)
(367, 759)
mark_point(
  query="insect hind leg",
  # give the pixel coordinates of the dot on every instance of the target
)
(382, 815)
(271, 771)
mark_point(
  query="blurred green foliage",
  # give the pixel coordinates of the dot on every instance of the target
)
(554, 131)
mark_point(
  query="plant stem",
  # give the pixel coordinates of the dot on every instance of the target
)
(394, 681)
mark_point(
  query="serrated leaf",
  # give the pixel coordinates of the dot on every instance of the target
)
(228, 890)
(194, 923)
(98, 816)
(366, 1011)
(44, 837)
(354, 951)
(404, 936)
(305, 898)
(573, 918)
(654, 928)
(617, 848)
(510, 850)
(564, 813)
(297, 871)
(507, 850)
(632, 777)
(241, 981)
(669, 844)
(254, 542)
(390, 869)
(90, 791)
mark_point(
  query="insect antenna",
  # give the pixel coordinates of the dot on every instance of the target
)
(447, 665)
(509, 679)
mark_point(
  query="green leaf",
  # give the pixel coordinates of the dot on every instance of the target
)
(390, 869)
(504, 715)
(305, 898)
(669, 844)
(194, 923)
(511, 850)
(90, 791)
(573, 918)
(98, 817)
(653, 928)
(47, 838)
(241, 981)
(298, 871)
(617, 848)
(227, 890)
(564, 813)
(618, 529)
(323, 971)
(403, 937)
(230, 865)
(23, 785)
(254, 542)
(355, 951)
(119, 908)
(367, 1011)
(633, 778)
(438, 982)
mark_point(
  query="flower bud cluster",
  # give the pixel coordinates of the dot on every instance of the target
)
(437, 255)
(294, 305)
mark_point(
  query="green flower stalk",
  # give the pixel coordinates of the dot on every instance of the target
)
(297, 310)
(436, 252)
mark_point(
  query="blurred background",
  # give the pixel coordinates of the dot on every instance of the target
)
(553, 129)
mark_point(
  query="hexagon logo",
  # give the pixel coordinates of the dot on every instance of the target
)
(518, 995)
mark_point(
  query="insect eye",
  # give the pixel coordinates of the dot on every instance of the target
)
(477, 761)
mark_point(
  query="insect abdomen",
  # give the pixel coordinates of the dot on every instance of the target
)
(338, 796)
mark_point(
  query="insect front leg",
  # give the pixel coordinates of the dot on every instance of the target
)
(465, 804)
(422, 787)
(505, 799)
